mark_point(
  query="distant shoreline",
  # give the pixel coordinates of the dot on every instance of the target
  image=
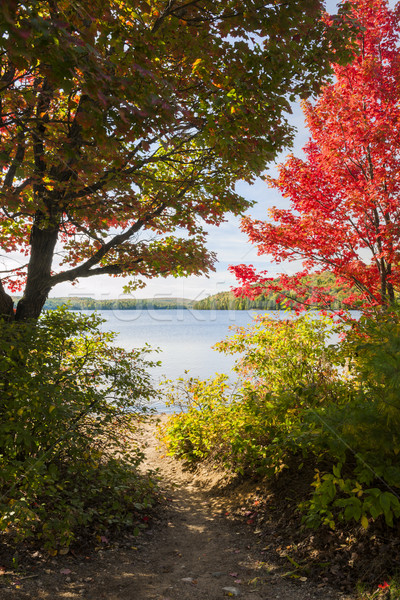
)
(140, 306)
(145, 304)
(220, 301)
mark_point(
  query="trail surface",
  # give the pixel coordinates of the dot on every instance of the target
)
(194, 553)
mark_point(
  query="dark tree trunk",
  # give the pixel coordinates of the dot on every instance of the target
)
(30, 306)
(390, 289)
(6, 305)
(43, 240)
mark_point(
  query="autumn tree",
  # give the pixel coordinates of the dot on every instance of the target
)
(125, 125)
(344, 212)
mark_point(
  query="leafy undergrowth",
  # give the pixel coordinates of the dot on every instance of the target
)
(127, 503)
(107, 504)
(71, 404)
(319, 425)
(349, 557)
(23, 564)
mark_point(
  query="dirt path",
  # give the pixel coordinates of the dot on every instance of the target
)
(194, 553)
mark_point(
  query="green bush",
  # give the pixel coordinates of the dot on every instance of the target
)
(253, 428)
(218, 424)
(70, 403)
(338, 406)
(362, 435)
(285, 355)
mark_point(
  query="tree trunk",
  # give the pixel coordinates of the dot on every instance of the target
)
(6, 305)
(43, 240)
(391, 294)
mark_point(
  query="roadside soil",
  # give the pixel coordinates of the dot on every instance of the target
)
(194, 550)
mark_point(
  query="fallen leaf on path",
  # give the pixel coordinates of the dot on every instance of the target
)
(189, 580)
(231, 591)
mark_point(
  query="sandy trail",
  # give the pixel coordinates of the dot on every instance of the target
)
(193, 553)
(198, 554)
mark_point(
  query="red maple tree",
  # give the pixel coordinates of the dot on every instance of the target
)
(344, 214)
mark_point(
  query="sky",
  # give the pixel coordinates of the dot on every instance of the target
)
(227, 241)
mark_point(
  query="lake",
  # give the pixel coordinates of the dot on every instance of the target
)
(185, 337)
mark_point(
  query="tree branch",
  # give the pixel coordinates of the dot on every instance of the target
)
(86, 269)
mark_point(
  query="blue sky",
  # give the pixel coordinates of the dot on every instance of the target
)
(229, 243)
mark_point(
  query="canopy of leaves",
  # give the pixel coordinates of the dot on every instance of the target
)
(125, 125)
(344, 196)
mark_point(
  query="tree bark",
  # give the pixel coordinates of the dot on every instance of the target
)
(43, 240)
(6, 305)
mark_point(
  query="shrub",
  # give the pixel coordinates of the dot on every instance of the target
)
(295, 398)
(70, 402)
(284, 367)
(362, 434)
(285, 355)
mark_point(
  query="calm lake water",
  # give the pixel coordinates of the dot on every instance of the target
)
(185, 337)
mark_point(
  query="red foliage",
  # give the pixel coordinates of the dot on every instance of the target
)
(344, 214)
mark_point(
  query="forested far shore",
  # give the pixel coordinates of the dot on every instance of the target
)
(84, 303)
(221, 301)
(330, 296)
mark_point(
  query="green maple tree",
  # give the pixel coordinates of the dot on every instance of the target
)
(125, 125)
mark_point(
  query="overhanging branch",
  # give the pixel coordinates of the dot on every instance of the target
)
(87, 268)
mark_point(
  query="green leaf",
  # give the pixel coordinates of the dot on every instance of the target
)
(364, 522)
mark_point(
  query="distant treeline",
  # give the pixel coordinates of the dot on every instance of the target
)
(228, 301)
(80, 303)
(220, 301)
